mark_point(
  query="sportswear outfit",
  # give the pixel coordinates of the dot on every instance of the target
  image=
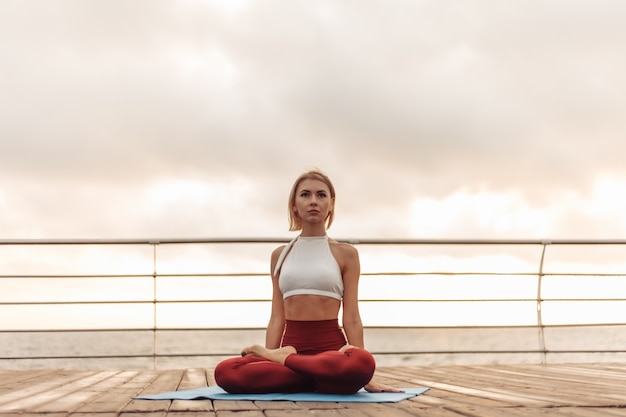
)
(306, 266)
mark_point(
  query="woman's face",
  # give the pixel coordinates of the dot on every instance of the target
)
(313, 201)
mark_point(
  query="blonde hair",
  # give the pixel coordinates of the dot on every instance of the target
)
(295, 222)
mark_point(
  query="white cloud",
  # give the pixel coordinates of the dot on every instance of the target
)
(609, 198)
(568, 213)
(479, 214)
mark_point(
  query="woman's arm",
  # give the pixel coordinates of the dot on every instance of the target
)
(351, 320)
(276, 325)
(352, 324)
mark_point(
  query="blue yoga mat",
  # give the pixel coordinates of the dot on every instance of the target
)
(217, 393)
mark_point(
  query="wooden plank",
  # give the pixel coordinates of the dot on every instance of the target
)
(165, 381)
(159, 413)
(528, 390)
(123, 387)
(439, 397)
(25, 387)
(321, 405)
(307, 412)
(242, 413)
(224, 405)
(558, 373)
(469, 388)
(192, 378)
(87, 391)
(564, 385)
(187, 413)
(21, 414)
(589, 412)
(535, 385)
(210, 377)
(59, 389)
(87, 414)
(278, 405)
(9, 379)
(377, 410)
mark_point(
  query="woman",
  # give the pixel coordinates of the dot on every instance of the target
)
(313, 277)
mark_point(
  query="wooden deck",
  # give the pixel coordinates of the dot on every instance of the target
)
(587, 390)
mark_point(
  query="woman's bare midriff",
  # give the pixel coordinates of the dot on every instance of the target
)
(311, 307)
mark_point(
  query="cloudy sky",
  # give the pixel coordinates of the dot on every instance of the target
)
(442, 119)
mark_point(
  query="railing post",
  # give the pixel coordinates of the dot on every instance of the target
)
(154, 304)
(541, 335)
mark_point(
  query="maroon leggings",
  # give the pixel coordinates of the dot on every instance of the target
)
(317, 367)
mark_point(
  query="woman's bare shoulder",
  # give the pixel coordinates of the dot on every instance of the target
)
(347, 250)
(276, 252)
(274, 258)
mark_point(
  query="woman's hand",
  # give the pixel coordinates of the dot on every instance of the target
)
(377, 387)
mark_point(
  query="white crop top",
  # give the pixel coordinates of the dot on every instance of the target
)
(307, 266)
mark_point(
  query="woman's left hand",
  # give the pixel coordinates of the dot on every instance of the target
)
(377, 387)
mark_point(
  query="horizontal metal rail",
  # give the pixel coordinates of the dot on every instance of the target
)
(447, 242)
(230, 354)
(262, 274)
(266, 300)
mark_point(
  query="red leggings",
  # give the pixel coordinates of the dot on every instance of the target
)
(317, 367)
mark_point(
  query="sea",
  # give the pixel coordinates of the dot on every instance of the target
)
(179, 349)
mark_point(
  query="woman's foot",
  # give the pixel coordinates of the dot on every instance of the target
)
(346, 347)
(275, 355)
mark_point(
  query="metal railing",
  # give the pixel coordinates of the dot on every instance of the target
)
(541, 350)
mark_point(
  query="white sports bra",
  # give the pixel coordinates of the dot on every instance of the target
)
(307, 266)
